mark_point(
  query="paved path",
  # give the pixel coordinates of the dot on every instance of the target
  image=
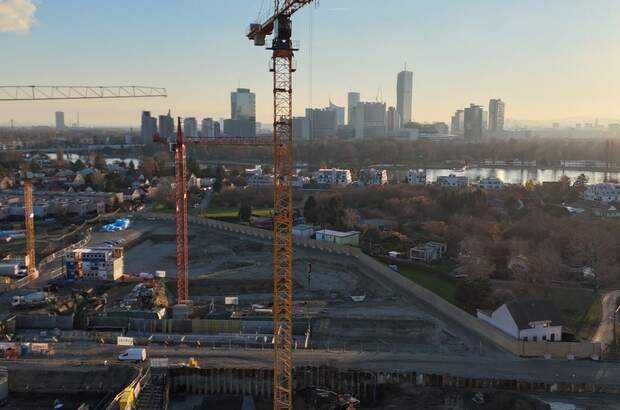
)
(604, 333)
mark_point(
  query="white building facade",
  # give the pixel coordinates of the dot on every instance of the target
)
(101, 263)
(416, 177)
(333, 176)
(372, 176)
(604, 192)
(526, 321)
(452, 181)
(491, 184)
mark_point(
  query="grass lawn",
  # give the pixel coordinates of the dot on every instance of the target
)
(434, 281)
(580, 307)
(234, 212)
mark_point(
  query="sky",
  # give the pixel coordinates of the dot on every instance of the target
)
(547, 59)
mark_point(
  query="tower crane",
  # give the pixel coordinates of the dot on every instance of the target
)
(53, 92)
(179, 149)
(282, 68)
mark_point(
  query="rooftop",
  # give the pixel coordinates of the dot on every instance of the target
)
(337, 233)
(525, 313)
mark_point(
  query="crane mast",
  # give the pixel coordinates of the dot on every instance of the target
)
(282, 69)
(179, 149)
(181, 216)
(31, 266)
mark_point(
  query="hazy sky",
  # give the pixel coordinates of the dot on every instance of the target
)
(547, 59)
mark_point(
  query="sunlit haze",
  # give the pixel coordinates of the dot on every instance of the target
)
(550, 61)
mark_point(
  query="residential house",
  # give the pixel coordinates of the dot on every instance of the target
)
(102, 263)
(428, 252)
(333, 176)
(416, 177)
(491, 184)
(260, 180)
(372, 176)
(452, 181)
(604, 192)
(532, 321)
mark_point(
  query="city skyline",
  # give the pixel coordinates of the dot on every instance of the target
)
(565, 71)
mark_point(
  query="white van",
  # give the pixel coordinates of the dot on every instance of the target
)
(136, 354)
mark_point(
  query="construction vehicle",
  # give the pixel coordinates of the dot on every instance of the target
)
(282, 48)
(321, 398)
(193, 363)
(30, 300)
(135, 354)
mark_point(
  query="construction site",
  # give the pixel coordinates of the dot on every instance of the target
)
(178, 311)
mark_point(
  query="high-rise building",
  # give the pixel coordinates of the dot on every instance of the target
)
(323, 122)
(148, 127)
(242, 127)
(60, 120)
(242, 104)
(242, 122)
(166, 126)
(404, 95)
(190, 127)
(339, 113)
(301, 128)
(496, 115)
(206, 128)
(457, 123)
(353, 99)
(369, 120)
(216, 128)
(474, 122)
(393, 119)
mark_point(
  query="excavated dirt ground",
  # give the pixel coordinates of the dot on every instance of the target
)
(227, 264)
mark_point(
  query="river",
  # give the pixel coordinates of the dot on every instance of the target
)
(74, 157)
(515, 175)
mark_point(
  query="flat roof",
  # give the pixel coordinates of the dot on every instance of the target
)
(338, 233)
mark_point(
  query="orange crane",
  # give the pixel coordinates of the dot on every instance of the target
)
(52, 92)
(30, 259)
(179, 148)
(282, 68)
